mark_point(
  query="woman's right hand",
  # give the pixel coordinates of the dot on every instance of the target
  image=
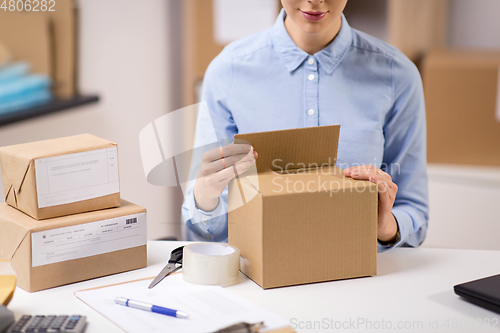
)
(218, 166)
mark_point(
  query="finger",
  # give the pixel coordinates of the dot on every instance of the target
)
(348, 171)
(382, 186)
(218, 165)
(387, 184)
(239, 169)
(358, 169)
(229, 150)
(386, 196)
(208, 168)
(364, 172)
(215, 172)
(361, 173)
(230, 173)
(387, 191)
(383, 177)
(235, 149)
(211, 155)
(242, 167)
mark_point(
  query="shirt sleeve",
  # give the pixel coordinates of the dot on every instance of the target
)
(210, 226)
(405, 156)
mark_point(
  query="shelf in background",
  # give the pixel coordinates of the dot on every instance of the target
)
(53, 106)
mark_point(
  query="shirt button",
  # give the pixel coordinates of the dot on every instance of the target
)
(310, 61)
(310, 77)
(310, 112)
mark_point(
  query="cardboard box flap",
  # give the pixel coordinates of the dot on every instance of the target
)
(12, 234)
(28, 37)
(294, 149)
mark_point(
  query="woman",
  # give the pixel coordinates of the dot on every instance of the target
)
(312, 69)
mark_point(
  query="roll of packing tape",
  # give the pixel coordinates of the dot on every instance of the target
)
(211, 263)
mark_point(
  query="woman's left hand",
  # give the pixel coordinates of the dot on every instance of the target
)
(387, 189)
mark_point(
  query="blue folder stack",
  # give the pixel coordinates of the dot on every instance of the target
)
(20, 89)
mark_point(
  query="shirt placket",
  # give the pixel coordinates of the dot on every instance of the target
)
(312, 80)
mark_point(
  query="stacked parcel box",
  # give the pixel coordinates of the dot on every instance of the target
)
(63, 220)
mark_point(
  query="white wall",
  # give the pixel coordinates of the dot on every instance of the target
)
(124, 58)
(464, 207)
(474, 23)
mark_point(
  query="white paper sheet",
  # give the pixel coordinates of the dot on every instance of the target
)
(235, 19)
(209, 307)
(89, 239)
(75, 177)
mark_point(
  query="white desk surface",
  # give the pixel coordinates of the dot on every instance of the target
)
(413, 292)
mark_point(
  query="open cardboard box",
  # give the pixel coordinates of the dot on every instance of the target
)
(298, 219)
(58, 251)
(61, 176)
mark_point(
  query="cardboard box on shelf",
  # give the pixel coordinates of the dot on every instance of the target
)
(47, 40)
(64, 19)
(462, 98)
(44, 255)
(298, 219)
(61, 176)
(28, 38)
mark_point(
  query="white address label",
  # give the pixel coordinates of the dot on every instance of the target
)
(89, 239)
(76, 177)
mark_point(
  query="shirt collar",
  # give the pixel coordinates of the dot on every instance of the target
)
(292, 56)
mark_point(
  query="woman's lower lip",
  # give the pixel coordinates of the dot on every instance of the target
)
(311, 17)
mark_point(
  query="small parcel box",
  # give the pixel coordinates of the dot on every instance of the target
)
(73, 248)
(297, 219)
(61, 176)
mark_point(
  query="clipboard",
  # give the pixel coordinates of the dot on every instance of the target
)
(221, 299)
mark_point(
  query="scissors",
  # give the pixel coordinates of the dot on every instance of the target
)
(175, 258)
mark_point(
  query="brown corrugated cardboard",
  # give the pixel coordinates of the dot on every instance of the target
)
(29, 39)
(39, 250)
(300, 220)
(63, 20)
(47, 40)
(5, 54)
(25, 191)
(462, 97)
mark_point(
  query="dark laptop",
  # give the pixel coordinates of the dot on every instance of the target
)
(483, 292)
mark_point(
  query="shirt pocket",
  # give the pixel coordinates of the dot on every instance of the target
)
(360, 146)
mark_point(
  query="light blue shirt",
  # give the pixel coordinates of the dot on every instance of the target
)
(265, 82)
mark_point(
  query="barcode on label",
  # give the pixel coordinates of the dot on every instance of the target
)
(130, 221)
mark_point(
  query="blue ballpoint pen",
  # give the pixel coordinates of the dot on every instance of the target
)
(149, 307)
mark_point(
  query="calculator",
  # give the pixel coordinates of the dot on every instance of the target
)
(49, 324)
